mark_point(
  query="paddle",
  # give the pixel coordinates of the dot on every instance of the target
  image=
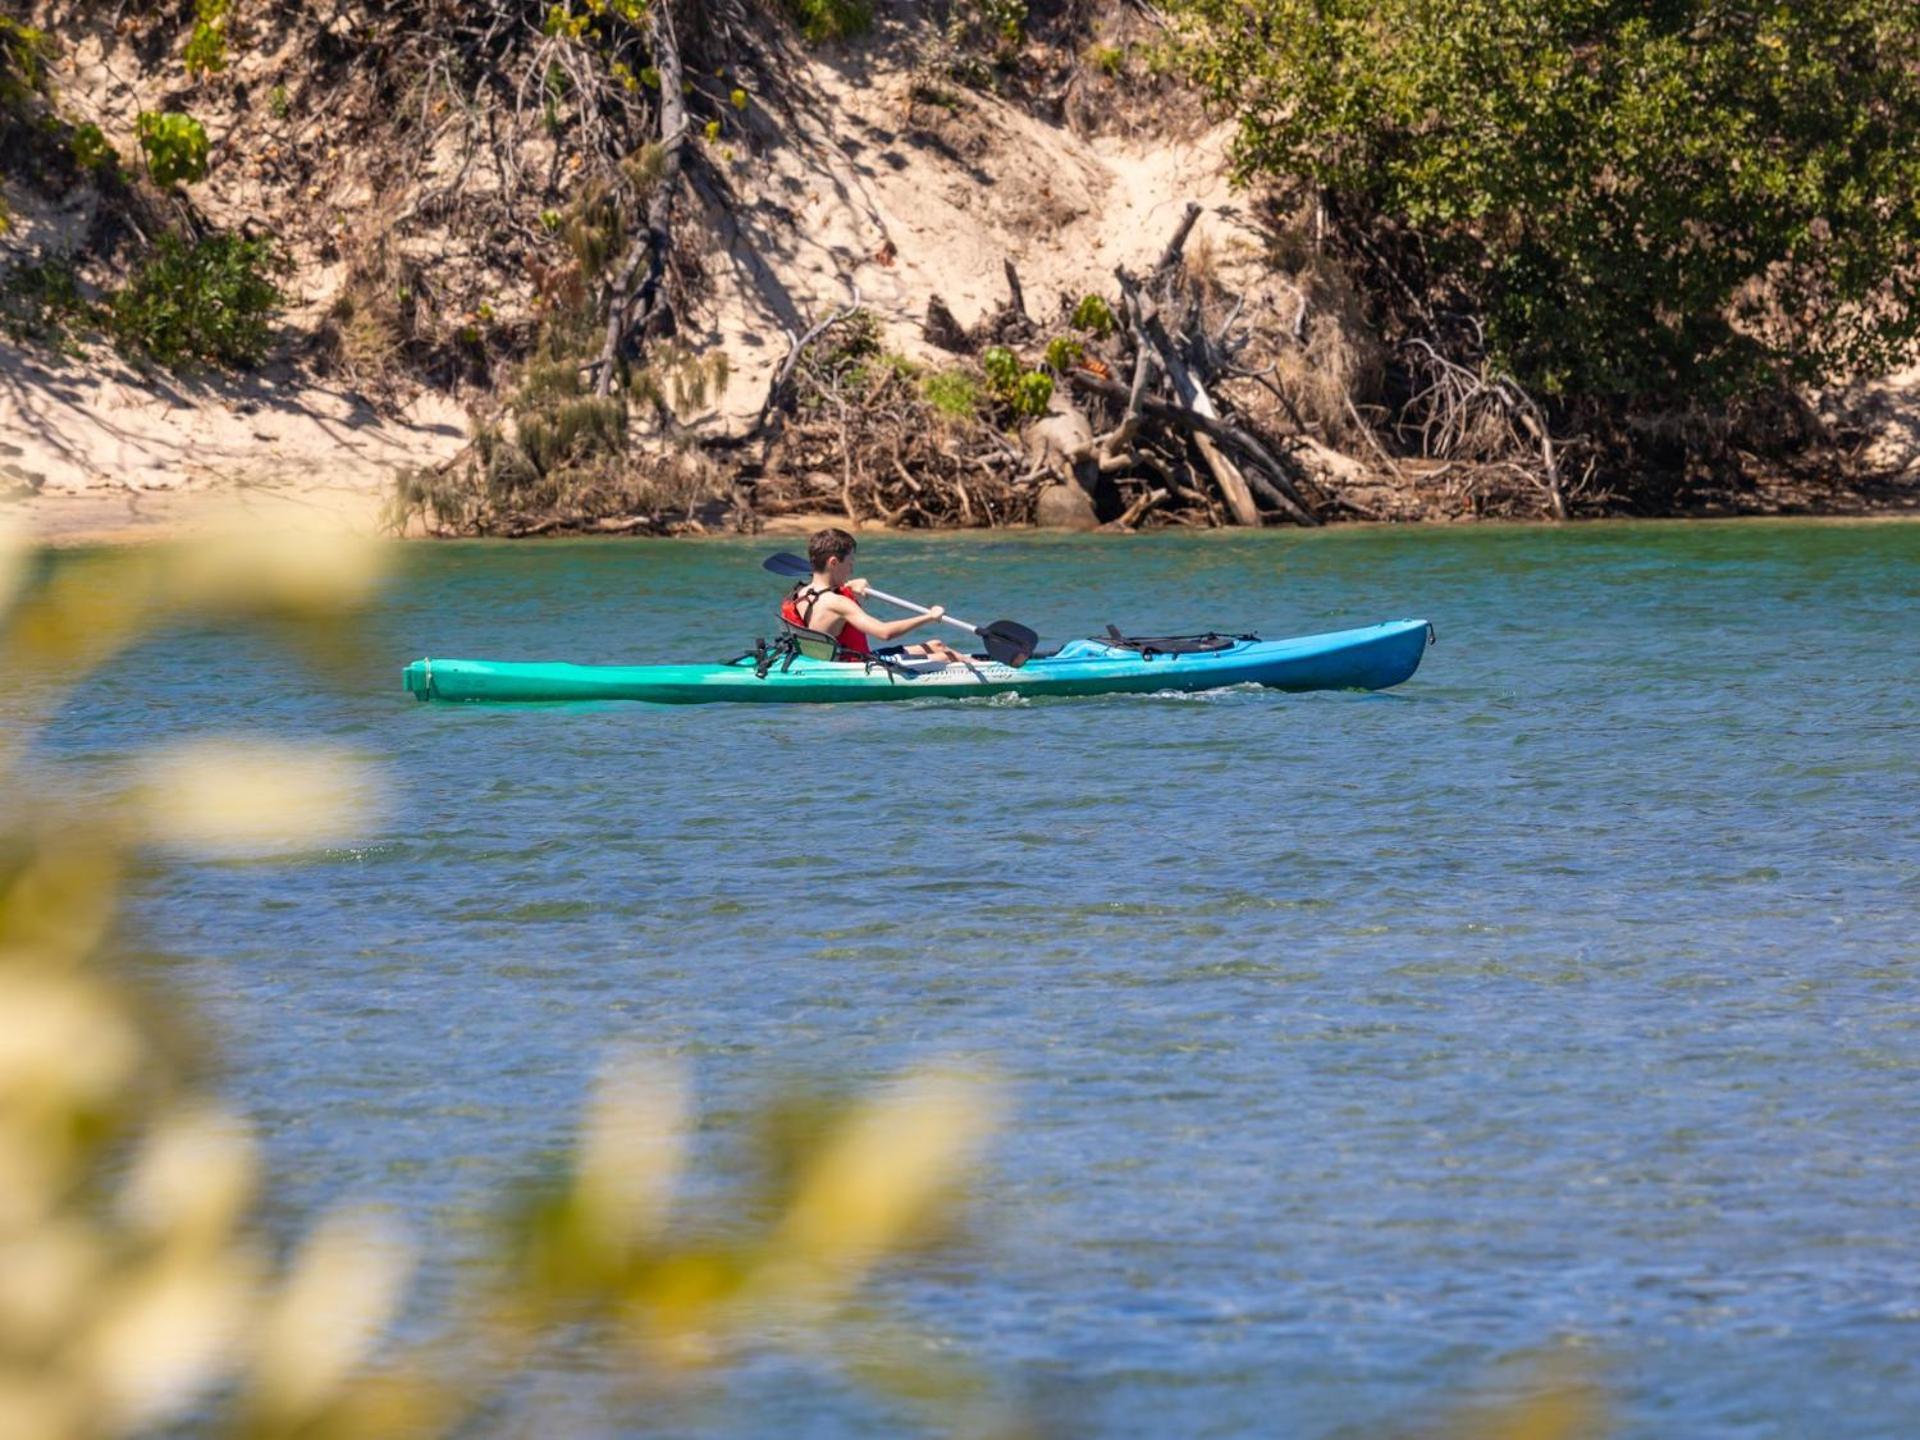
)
(1007, 641)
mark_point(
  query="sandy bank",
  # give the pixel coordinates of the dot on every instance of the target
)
(92, 450)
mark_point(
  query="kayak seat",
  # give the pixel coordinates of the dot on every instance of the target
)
(816, 644)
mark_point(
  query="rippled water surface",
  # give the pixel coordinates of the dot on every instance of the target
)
(1358, 1043)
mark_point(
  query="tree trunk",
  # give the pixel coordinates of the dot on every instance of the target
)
(628, 309)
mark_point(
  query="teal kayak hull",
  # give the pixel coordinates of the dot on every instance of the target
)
(1371, 658)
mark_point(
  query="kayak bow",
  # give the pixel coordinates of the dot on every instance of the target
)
(1371, 658)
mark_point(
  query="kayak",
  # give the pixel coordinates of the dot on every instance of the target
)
(1371, 658)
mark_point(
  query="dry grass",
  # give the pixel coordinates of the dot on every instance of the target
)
(1308, 359)
(374, 331)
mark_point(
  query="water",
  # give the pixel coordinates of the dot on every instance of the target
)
(1357, 1043)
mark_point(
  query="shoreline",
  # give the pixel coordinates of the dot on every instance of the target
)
(103, 519)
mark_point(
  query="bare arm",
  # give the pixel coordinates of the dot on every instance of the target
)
(842, 608)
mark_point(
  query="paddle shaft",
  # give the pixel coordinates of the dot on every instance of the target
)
(954, 620)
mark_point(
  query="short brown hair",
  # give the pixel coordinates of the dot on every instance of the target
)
(828, 544)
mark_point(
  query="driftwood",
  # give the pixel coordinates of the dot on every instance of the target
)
(780, 390)
(1139, 507)
(1170, 256)
(1146, 433)
(859, 439)
(1274, 484)
(943, 330)
(1150, 332)
(1245, 470)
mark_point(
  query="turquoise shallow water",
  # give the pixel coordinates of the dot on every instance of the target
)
(1356, 1043)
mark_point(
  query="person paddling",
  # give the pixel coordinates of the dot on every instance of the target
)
(829, 603)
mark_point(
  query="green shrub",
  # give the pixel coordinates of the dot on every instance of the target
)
(42, 302)
(91, 151)
(595, 229)
(206, 52)
(982, 39)
(1002, 367)
(1109, 60)
(1025, 392)
(954, 393)
(1094, 316)
(831, 19)
(175, 147)
(211, 300)
(23, 62)
(279, 104)
(1062, 353)
(1639, 203)
(1032, 393)
(567, 432)
(1005, 18)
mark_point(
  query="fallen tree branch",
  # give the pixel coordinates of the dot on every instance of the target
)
(1131, 516)
(1274, 484)
(1450, 397)
(1152, 333)
(1170, 256)
(778, 390)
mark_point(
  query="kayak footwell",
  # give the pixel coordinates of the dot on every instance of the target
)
(1371, 658)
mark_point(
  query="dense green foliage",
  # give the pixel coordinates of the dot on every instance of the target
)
(1094, 315)
(91, 149)
(212, 300)
(175, 147)
(831, 19)
(1025, 392)
(23, 61)
(206, 52)
(1678, 200)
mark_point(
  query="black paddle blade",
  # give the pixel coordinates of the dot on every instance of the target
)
(784, 564)
(1010, 642)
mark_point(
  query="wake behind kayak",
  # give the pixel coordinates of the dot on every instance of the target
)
(1371, 658)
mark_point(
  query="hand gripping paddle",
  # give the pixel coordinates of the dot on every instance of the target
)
(1007, 641)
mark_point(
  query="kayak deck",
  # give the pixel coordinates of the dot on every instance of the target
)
(1370, 658)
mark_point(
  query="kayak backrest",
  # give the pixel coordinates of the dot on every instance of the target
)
(816, 644)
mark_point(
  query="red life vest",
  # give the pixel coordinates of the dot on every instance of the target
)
(797, 609)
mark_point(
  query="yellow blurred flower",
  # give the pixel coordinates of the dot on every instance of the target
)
(880, 1179)
(193, 1180)
(240, 569)
(225, 796)
(165, 1333)
(632, 1150)
(343, 1292)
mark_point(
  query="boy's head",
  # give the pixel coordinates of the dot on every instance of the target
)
(830, 552)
